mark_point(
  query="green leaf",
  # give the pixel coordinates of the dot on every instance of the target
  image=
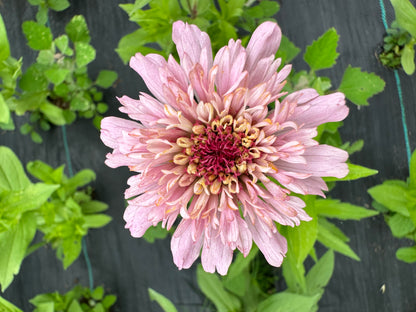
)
(80, 103)
(4, 111)
(6, 306)
(408, 59)
(288, 302)
(36, 137)
(39, 37)
(332, 237)
(355, 172)
(405, 15)
(56, 75)
(164, 302)
(106, 78)
(320, 274)
(412, 171)
(75, 307)
(84, 54)
(214, 290)
(4, 42)
(54, 114)
(333, 208)
(358, 86)
(407, 254)
(391, 196)
(62, 44)
(287, 49)
(58, 5)
(34, 80)
(132, 43)
(42, 15)
(102, 108)
(155, 232)
(70, 249)
(77, 30)
(82, 178)
(93, 206)
(13, 245)
(108, 301)
(400, 225)
(96, 221)
(45, 57)
(98, 293)
(322, 53)
(12, 175)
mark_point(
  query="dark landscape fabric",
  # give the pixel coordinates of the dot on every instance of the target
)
(127, 266)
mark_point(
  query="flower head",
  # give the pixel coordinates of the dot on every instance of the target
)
(207, 147)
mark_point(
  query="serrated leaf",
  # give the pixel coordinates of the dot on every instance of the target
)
(400, 225)
(6, 306)
(164, 302)
(106, 78)
(84, 53)
(391, 196)
(56, 75)
(288, 302)
(358, 86)
(329, 235)
(287, 49)
(4, 42)
(320, 274)
(355, 172)
(333, 208)
(214, 290)
(77, 29)
(322, 53)
(39, 37)
(407, 254)
(58, 5)
(405, 15)
(12, 175)
(13, 245)
(408, 59)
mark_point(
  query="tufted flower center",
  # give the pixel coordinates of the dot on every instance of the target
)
(218, 152)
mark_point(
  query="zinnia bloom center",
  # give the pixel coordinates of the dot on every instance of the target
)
(218, 152)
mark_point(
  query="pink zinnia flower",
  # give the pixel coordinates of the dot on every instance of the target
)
(207, 147)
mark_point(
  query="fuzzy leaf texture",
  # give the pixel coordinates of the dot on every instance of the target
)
(322, 53)
(164, 302)
(359, 86)
(405, 15)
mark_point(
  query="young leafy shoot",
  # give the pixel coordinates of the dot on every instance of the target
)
(322, 53)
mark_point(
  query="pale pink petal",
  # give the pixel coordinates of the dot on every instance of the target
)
(112, 129)
(215, 255)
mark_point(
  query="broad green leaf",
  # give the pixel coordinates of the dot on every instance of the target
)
(400, 225)
(62, 43)
(17, 201)
(56, 75)
(4, 111)
(58, 5)
(412, 171)
(12, 175)
(405, 15)
(164, 302)
(84, 53)
(213, 289)
(69, 250)
(96, 221)
(330, 236)
(288, 302)
(407, 254)
(109, 300)
(77, 29)
(39, 37)
(4, 42)
(132, 43)
(287, 49)
(408, 59)
(320, 274)
(80, 103)
(322, 53)
(391, 196)
(98, 293)
(106, 78)
(75, 307)
(45, 57)
(54, 114)
(42, 15)
(333, 208)
(94, 206)
(13, 245)
(34, 80)
(6, 306)
(359, 86)
(44, 172)
(355, 172)
(82, 178)
(155, 232)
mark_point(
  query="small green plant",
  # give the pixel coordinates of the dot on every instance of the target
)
(78, 299)
(397, 200)
(57, 207)
(399, 43)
